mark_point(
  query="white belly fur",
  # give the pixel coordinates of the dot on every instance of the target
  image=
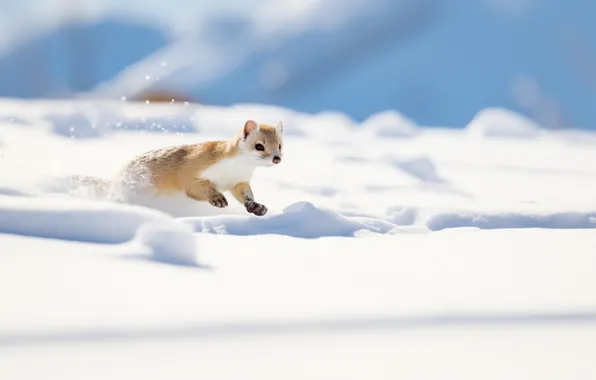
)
(228, 172)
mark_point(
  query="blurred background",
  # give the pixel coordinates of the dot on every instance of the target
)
(438, 62)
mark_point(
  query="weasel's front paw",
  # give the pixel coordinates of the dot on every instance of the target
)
(255, 208)
(219, 200)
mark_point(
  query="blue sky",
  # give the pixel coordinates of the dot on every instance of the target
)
(474, 56)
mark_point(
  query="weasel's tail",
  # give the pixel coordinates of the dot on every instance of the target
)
(90, 187)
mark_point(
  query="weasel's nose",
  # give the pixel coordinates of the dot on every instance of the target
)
(276, 159)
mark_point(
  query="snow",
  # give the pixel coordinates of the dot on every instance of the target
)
(98, 222)
(170, 242)
(512, 220)
(418, 167)
(303, 220)
(426, 254)
(390, 124)
(499, 122)
(71, 219)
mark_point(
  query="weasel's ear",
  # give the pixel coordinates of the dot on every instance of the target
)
(280, 128)
(249, 127)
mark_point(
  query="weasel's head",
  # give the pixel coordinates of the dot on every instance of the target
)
(262, 142)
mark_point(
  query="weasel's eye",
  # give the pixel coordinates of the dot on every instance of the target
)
(279, 146)
(259, 147)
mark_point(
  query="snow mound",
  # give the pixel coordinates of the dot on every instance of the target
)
(490, 220)
(73, 219)
(14, 120)
(86, 119)
(155, 234)
(403, 215)
(422, 168)
(499, 122)
(323, 121)
(166, 123)
(74, 125)
(13, 192)
(83, 123)
(390, 124)
(164, 117)
(170, 242)
(227, 120)
(302, 220)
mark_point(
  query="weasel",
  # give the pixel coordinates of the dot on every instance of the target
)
(205, 170)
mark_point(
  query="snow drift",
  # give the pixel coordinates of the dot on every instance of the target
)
(157, 234)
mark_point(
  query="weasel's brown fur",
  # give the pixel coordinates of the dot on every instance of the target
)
(203, 171)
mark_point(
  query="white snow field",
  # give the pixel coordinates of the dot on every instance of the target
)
(390, 250)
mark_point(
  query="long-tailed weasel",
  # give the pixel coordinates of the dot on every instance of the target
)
(204, 171)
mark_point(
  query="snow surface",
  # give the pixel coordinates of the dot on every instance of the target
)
(390, 250)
